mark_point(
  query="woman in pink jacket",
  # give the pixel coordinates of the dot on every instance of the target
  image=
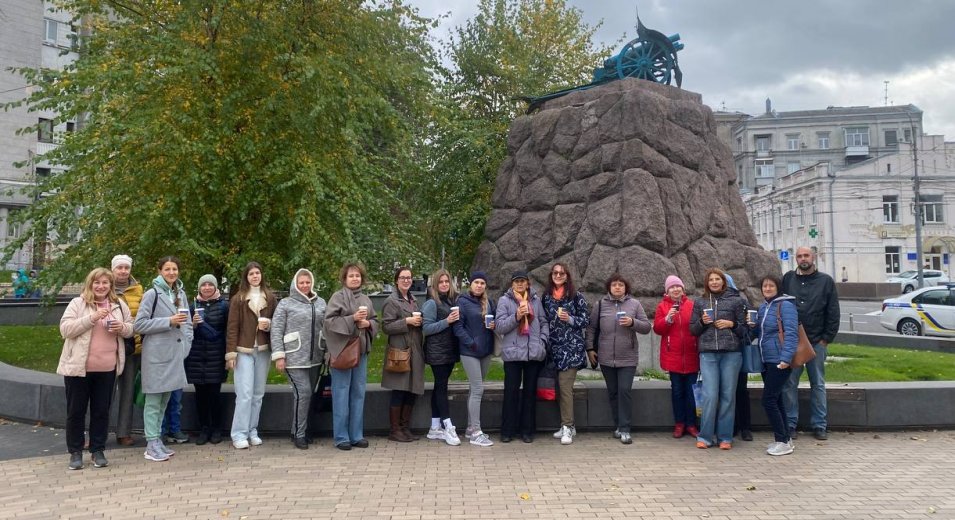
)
(93, 327)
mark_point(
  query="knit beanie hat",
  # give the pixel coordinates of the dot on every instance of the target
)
(119, 260)
(479, 275)
(210, 279)
(672, 280)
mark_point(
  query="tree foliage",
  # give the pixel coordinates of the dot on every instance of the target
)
(230, 130)
(512, 48)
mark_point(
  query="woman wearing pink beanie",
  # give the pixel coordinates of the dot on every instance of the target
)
(678, 354)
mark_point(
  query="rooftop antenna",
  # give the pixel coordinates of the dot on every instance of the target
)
(885, 101)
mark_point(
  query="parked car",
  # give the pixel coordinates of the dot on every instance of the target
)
(929, 311)
(908, 280)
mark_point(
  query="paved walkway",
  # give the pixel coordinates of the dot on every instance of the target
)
(895, 475)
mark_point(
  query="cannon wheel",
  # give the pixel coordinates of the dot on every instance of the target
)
(646, 59)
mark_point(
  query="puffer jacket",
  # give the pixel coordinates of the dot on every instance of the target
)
(678, 352)
(616, 345)
(204, 364)
(440, 343)
(514, 346)
(296, 333)
(567, 338)
(132, 295)
(77, 330)
(767, 329)
(474, 339)
(727, 305)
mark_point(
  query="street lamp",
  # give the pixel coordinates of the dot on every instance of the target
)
(918, 202)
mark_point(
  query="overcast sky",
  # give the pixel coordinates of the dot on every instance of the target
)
(803, 55)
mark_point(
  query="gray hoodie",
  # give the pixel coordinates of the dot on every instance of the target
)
(296, 333)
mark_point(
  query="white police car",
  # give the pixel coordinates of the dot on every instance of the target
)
(929, 311)
(908, 280)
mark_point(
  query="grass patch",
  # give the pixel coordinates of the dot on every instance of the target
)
(38, 348)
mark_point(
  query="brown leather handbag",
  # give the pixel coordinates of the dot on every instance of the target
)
(350, 355)
(398, 360)
(804, 351)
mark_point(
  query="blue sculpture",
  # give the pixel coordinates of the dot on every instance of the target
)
(651, 56)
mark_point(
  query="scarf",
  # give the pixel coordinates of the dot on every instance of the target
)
(525, 327)
(256, 299)
(171, 293)
(120, 288)
(558, 292)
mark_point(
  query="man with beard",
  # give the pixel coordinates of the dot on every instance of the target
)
(818, 304)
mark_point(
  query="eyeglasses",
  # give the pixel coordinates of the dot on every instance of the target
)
(405, 278)
(558, 273)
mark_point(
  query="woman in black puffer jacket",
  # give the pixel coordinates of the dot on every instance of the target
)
(441, 352)
(204, 366)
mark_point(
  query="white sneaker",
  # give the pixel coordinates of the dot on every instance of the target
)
(241, 444)
(568, 436)
(451, 435)
(153, 452)
(481, 439)
(616, 434)
(255, 440)
(559, 433)
(436, 434)
(781, 448)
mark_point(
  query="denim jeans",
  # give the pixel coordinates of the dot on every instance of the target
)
(681, 395)
(816, 369)
(720, 374)
(773, 380)
(348, 402)
(171, 422)
(251, 372)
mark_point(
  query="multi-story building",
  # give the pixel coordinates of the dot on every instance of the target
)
(860, 218)
(775, 144)
(32, 35)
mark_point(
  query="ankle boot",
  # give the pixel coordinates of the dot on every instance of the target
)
(406, 410)
(394, 417)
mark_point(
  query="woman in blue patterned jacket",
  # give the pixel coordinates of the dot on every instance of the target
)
(567, 317)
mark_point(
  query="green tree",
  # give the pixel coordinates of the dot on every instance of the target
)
(510, 49)
(229, 130)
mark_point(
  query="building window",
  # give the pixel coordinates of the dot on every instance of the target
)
(739, 174)
(932, 209)
(49, 34)
(823, 140)
(42, 173)
(857, 136)
(70, 126)
(890, 209)
(888, 167)
(764, 168)
(801, 213)
(792, 167)
(755, 222)
(891, 138)
(907, 135)
(45, 131)
(892, 259)
(789, 217)
(812, 211)
(779, 219)
(739, 144)
(763, 143)
(792, 141)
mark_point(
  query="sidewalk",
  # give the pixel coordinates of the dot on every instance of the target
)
(885, 475)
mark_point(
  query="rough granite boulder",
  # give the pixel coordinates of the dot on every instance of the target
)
(628, 177)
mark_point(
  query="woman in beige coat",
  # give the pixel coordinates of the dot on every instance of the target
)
(401, 320)
(93, 327)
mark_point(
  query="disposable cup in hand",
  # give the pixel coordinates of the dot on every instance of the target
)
(621, 314)
(184, 311)
(709, 312)
(454, 309)
(109, 324)
(416, 314)
(752, 316)
(363, 308)
(488, 320)
(264, 320)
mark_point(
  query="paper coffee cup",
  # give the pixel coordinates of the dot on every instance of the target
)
(264, 320)
(621, 314)
(363, 307)
(752, 316)
(416, 314)
(488, 320)
(454, 309)
(709, 312)
(109, 323)
(184, 311)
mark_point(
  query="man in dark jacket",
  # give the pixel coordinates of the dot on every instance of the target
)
(818, 304)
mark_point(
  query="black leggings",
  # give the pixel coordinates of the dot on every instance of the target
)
(207, 406)
(439, 396)
(402, 397)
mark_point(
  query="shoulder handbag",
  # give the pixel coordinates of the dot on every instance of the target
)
(804, 351)
(349, 356)
(398, 360)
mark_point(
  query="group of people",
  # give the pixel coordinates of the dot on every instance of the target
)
(116, 330)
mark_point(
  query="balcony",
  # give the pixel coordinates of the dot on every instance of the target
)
(856, 151)
(42, 148)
